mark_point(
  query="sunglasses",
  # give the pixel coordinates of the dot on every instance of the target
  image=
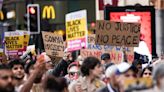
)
(73, 73)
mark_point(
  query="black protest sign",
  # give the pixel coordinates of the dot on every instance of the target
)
(53, 44)
(117, 33)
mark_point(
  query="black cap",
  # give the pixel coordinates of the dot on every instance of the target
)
(105, 56)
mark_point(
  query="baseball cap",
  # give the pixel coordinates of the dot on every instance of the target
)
(112, 69)
(123, 67)
(105, 56)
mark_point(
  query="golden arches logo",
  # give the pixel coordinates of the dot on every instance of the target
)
(1, 15)
(48, 12)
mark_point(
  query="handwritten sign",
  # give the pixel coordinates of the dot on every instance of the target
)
(76, 30)
(117, 33)
(53, 44)
(114, 51)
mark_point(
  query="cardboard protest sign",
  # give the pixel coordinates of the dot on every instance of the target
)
(116, 52)
(76, 30)
(117, 33)
(53, 44)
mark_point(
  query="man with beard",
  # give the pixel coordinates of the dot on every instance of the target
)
(17, 67)
(6, 79)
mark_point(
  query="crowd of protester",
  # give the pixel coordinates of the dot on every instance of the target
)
(37, 73)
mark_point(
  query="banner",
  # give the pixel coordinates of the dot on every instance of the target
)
(76, 30)
(116, 52)
(53, 44)
(117, 33)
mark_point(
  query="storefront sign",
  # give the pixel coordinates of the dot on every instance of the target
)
(48, 12)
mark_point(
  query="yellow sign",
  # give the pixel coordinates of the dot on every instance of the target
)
(76, 29)
(1, 15)
(14, 40)
(49, 12)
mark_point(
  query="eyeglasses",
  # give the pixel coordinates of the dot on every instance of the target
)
(147, 73)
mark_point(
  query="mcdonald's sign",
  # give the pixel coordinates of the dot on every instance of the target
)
(1, 15)
(48, 12)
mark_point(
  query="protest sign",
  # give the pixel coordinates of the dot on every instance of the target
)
(115, 52)
(14, 40)
(25, 39)
(53, 44)
(117, 33)
(14, 43)
(137, 83)
(76, 30)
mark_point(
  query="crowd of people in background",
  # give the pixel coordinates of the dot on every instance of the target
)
(39, 74)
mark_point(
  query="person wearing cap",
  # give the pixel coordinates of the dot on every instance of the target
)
(105, 59)
(126, 71)
(112, 84)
